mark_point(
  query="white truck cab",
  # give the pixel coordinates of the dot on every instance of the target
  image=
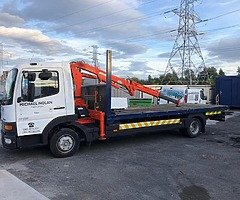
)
(196, 96)
(27, 113)
(185, 94)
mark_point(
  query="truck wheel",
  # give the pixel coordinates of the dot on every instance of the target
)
(194, 128)
(64, 143)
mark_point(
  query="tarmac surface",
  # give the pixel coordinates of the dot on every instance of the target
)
(163, 165)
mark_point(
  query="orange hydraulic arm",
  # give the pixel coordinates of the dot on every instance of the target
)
(130, 85)
(117, 82)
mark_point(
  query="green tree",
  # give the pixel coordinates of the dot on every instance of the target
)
(238, 71)
(169, 78)
(221, 72)
(212, 75)
(189, 74)
(136, 79)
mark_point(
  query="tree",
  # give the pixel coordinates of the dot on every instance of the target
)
(169, 78)
(150, 79)
(221, 72)
(189, 74)
(238, 71)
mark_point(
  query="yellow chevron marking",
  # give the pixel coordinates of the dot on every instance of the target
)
(148, 124)
(213, 113)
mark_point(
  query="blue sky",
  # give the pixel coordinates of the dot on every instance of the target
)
(136, 31)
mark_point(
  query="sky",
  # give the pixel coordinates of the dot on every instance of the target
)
(141, 33)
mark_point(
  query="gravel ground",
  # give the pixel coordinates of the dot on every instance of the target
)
(154, 166)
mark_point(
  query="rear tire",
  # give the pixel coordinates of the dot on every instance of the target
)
(64, 143)
(194, 128)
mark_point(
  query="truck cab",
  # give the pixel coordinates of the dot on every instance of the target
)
(195, 96)
(35, 96)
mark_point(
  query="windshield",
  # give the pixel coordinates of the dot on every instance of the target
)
(9, 87)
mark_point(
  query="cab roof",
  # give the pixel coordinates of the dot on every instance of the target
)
(45, 65)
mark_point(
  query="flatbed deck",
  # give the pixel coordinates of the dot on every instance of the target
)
(163, 111)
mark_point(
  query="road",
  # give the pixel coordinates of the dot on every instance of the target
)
(149, 166)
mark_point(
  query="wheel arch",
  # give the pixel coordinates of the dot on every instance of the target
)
(66, 122)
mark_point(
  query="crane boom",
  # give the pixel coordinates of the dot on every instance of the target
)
(96, 73)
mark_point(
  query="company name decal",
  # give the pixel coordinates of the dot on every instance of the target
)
(35, 103)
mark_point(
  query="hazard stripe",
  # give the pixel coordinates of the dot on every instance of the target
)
(149, 124)
(213, 113)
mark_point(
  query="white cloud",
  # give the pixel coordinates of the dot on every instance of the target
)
(227, 49)
(34, 40)
(10, 20)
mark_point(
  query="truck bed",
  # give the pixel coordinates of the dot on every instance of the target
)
(163, 111)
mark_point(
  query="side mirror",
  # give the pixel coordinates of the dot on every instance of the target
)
(45, 75)
(30, 76)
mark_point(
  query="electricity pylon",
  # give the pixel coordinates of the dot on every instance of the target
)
(191, 67)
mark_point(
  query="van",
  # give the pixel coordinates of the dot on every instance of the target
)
(185, 94)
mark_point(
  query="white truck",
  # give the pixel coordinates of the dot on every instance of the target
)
(47, 104)
(185, 94)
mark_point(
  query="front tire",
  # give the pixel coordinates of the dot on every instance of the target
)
(64, 143)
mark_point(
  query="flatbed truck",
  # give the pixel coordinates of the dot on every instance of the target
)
(47, 104)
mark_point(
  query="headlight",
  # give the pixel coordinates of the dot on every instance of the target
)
(7, 127)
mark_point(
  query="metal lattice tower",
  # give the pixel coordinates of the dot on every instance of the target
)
(95, 55)
(186, 47)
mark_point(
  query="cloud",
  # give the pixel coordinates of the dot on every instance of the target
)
(8, 20)
(88, 19)
(97, 20)
(164, 55)
(139, 66)
(34, 40)
(19, 61)
(134, 69)
(124, 50)
(228, 49)
(227, 2)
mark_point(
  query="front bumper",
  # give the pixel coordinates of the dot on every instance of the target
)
(9, 139)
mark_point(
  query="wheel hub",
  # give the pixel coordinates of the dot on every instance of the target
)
(194, 127)
(65, 143)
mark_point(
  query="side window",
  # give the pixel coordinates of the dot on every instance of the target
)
(196, 97)
(43, 88)
(24, 87)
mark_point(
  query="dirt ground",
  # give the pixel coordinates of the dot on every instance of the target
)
(163, 165)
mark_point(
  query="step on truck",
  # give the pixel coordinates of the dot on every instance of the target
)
(47, 104)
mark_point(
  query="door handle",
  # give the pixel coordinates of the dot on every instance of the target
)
(58, 108)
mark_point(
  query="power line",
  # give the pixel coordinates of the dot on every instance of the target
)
(82, 10)
(138, 37)
(150, 15)
(219, 16)
(99, 17)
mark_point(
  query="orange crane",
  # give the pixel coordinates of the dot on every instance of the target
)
(117, 82)
(78, 68)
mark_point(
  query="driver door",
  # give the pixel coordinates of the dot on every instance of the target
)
(48, 101)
